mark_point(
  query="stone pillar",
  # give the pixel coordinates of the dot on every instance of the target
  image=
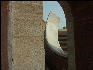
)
(26, 36)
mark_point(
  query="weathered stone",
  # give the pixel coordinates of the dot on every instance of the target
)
(26, 35)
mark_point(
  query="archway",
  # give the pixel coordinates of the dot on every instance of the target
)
(69, 26)
(69, 21)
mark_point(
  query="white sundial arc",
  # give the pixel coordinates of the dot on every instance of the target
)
(52, 34)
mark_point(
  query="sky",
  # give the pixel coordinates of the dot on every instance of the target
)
(55, 8)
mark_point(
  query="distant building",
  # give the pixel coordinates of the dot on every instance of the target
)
(62, 38)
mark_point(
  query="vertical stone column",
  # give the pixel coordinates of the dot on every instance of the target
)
(26, 36)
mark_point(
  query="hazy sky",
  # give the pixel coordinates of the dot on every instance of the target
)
(54, 7)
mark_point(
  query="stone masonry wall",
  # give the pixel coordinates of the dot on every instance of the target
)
(26, 36)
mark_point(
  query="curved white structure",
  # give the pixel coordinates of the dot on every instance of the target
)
(52, 34)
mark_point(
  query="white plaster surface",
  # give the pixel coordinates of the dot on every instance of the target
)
(52, 34)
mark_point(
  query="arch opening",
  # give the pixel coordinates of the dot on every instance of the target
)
(62, 25)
